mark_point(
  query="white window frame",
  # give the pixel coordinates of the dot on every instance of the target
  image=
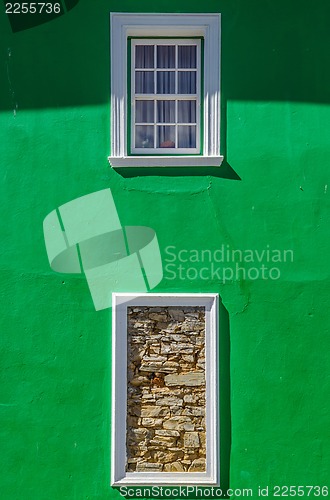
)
(120, 303)
(206, 26)
(171, 97)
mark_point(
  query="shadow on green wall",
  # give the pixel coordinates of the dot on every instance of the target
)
(271, 51)
(225, 171)
(29, 16)
(225, 404)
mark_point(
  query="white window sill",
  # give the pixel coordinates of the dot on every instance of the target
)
(165, 161)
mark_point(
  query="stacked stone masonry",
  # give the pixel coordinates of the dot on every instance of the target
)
(166, 389)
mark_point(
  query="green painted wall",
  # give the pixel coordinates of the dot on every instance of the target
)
(273, 189)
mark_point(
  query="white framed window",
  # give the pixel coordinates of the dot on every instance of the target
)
(165, 96)
(165, 90)
(165, 391)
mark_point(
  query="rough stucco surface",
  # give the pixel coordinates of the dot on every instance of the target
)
(166, 389)
(274, 351)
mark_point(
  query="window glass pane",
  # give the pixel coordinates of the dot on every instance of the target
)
(166, 56)
(144, 136)
(166, 136)
(144, 56)
(187, 111)
(166, 111)
(187, 56)
(187, 82)
(186, 136)
(144, 111)
(175, 67)
(144, 82)
(165, 82)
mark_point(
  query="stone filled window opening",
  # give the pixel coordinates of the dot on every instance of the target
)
(165, 85)
(166, 430)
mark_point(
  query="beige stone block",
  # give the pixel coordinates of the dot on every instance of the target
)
(174, 467)
(157, 316)
(188, 427)
(163, 441)
(188, 327)
(176, 411)
(134, 460)
(189, 358)
(154, 349)
(198, 465)
(175, 392)
(137, 340)
(153, 411)
(191, 440)
(185, 348)
(152, 422)
(138, 381)
(170, 440)
(168, 401)
(171, 364)
(195, 411)
(174, 357)
(151, 366)
(178, 423)
(190, 398)
(186, 367)
(154, 359)
(201, 363)
(149, 397)
(139, 433)
(149, 467)
(165, 457)
(137, 324)
(161, 325)
(163, 432)
(165, 348)
(159, 392)
(192, 315)
(175, 337)
(167, 368)
(188, 379)
(142, 447)
(199, 328)
(152, 337)
(176, 314)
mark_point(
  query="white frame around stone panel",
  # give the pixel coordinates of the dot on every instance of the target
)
(125, 25)
(120, 303)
